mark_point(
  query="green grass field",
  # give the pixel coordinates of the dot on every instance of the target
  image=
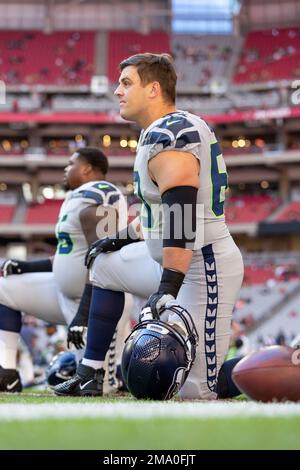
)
(29, 421)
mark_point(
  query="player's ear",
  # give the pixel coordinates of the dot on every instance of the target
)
(86, 168)
(155, 89)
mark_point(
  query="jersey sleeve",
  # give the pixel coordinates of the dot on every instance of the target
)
(174, 134)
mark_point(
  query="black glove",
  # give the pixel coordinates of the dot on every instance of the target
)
(78, 327)
(170, 284)
(113, 243)
(9, 267)
(76, 336)
(157, 302)
(13, 266)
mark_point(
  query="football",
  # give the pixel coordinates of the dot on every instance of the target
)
(270, 374)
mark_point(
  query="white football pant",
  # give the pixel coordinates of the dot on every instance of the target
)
(209, 292)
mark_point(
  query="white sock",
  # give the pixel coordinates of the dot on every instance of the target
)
(93, 364)
(9, 343)
(78, 354)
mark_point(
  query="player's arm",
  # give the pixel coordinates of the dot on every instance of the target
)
(177, 176)
(128, 235)
(98, 222)
(13, 266)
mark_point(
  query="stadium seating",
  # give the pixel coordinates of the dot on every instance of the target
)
(269, 55)
(14, 149)
(202, 59)
(271, 285)
(6, 213)
(60, 58)
(122, 44)
(45, 213)
(250, 208)
(291, 213)
(78, 104)
(285, 323)
(258, 275)
(257, 301)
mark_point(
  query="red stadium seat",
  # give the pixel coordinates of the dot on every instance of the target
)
(122, 44)
(247, 209)
(269, 55)
(291, 213)
(6, 213)
(45, 213)
(60, 58)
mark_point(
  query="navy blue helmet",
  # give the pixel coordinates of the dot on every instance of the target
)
(158, 356)
(61, 368)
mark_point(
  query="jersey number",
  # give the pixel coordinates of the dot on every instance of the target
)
(65, 244)
(219, 181)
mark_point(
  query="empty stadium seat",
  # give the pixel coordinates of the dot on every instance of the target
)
(200, 60)
(250, 208)
(6, 213)
(45, 213)
(60, 58)
(122, 44)
(269, 55)
(291, 213)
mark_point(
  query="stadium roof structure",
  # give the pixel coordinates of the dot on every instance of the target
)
(51, 15)
(257, 14)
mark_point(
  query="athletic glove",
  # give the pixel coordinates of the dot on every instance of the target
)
(113, 243)
(76, 336)
(78, 327)
(170, 284)
(157, 302)
(9, 267)
(13, 266)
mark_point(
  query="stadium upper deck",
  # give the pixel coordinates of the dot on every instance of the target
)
(30, 58)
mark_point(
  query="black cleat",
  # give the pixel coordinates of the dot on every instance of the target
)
(86, 382)
(10, 380)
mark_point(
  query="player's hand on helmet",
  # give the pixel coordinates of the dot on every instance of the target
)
(171, 281)
(76, 336)
(157, 302)
(11, 266)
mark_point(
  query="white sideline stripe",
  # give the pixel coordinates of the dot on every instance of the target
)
(142, 410)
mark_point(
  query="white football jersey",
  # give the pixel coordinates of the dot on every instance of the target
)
(68, 264)
(184, 132)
